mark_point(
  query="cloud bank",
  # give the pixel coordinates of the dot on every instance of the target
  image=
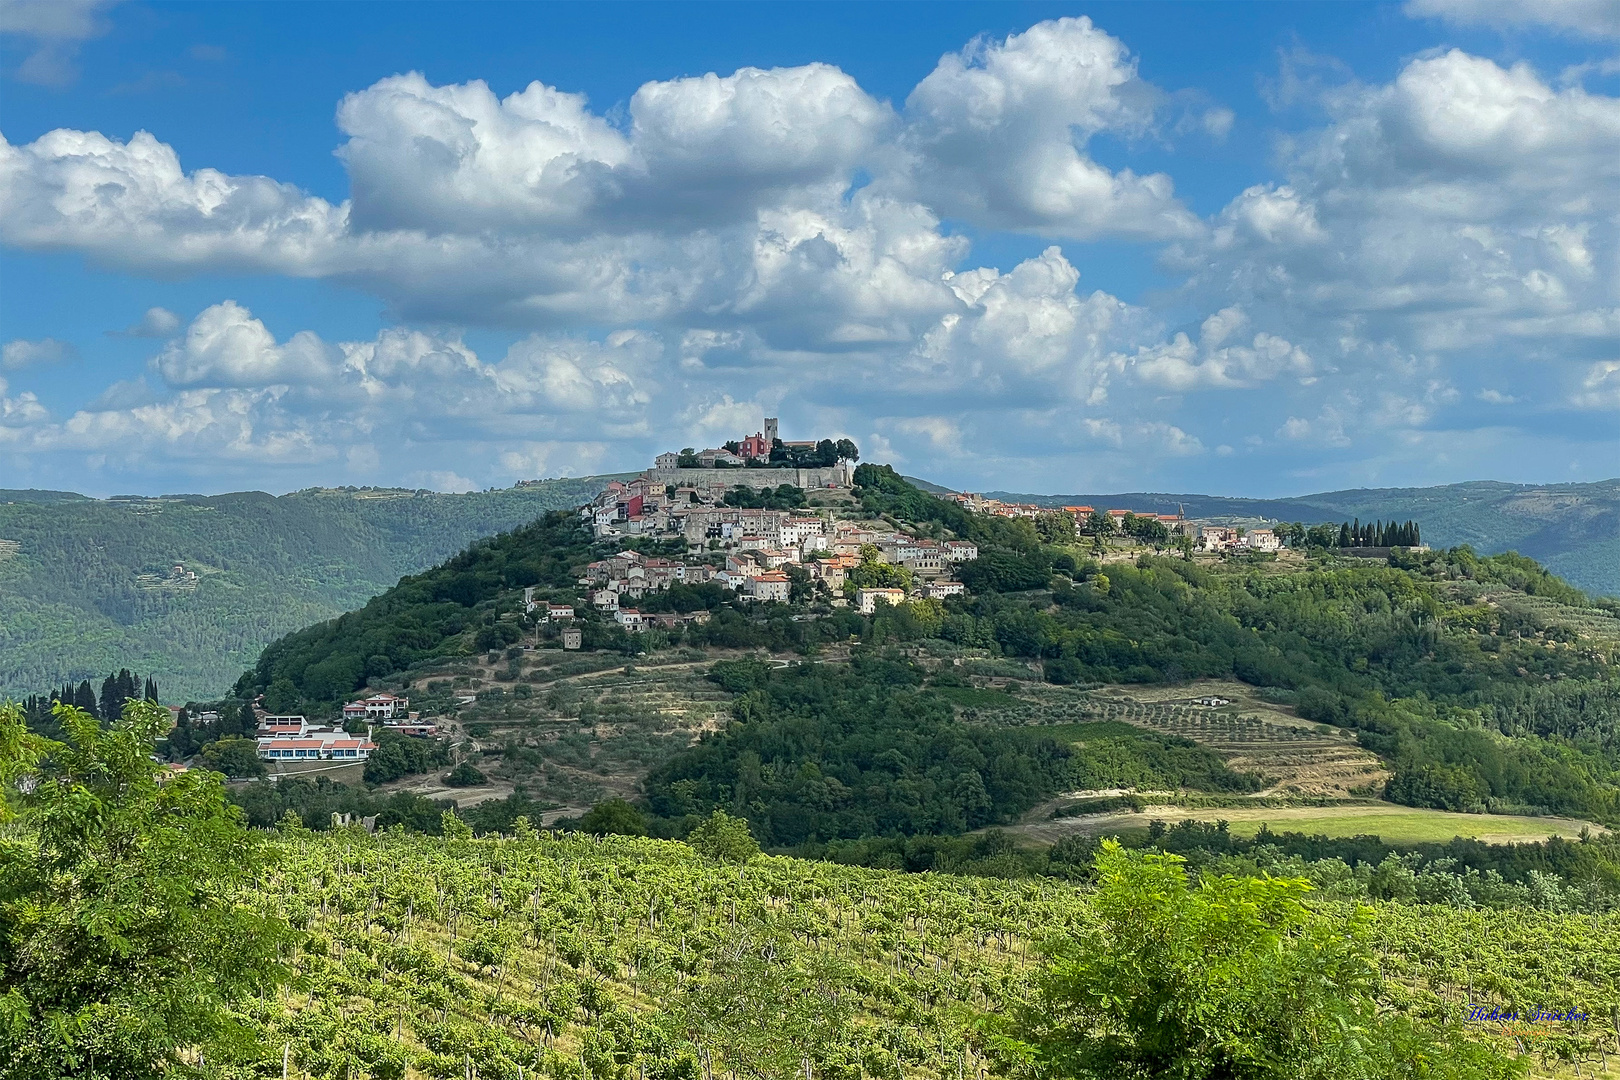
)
(782, 241)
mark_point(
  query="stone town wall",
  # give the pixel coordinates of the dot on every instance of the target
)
(832, 476)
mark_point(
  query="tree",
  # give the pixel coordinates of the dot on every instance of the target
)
(1057, 527)
(123, 941)
(847, 450)
(724, 838)
(465, 775)
(236, 757)
(1322, 536)
(281, 697)
(85, 698)
(1236, 977)
(1099, 524)
(874, 573)
(800, 585)
(613, 817)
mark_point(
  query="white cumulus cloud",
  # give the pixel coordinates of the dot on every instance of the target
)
(22, 353)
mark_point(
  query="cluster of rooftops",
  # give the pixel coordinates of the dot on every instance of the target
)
(294, 738)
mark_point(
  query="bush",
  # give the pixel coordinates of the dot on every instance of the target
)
(614, 817)
(1235, 978)
(724, 838)
(465, 775)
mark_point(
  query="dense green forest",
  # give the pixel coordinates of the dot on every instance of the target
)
(823, 751)
(90, 584)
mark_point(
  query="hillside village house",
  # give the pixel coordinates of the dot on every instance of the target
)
(282, 726)
(867, 600)
(939, 590)
(1261, 540)
(377, 707)
(317, 746)
(771, 585)
(545, 611)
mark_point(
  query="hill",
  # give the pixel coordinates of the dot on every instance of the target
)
(1572, 529)
(1438, 680)
(88, 585)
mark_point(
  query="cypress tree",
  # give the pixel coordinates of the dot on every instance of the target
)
(1344, 535)
(110, 705)
(85, 698)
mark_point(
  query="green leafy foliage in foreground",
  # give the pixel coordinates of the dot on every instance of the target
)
(1236, 977)
(91, 587)
(126, 926)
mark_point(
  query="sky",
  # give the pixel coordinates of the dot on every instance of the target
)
(1239, 249)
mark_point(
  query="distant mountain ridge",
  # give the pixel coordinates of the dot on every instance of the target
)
(86, 585)
(1572, 529)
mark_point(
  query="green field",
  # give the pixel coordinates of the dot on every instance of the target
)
(1394, 824)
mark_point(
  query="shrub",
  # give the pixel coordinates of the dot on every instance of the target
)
(465, 775)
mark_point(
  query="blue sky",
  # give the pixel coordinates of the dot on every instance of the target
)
(1241, 249)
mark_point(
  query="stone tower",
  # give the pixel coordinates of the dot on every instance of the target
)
(770, 431)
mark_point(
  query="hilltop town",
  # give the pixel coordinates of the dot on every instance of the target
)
(756, 529)
(758, 515)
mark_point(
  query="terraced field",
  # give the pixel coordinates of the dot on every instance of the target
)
(1299, 758)
(567, 728)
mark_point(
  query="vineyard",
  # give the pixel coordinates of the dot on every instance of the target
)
(577, 957)
(1296, 757)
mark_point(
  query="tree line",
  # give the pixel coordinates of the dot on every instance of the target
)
(117, 689)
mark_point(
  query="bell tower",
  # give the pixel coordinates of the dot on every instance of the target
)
(770, 432)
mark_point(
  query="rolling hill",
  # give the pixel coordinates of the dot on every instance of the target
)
(1572, 529)
(89, 585)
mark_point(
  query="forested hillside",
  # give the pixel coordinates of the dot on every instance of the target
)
(88, 585)
(1572, 529)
